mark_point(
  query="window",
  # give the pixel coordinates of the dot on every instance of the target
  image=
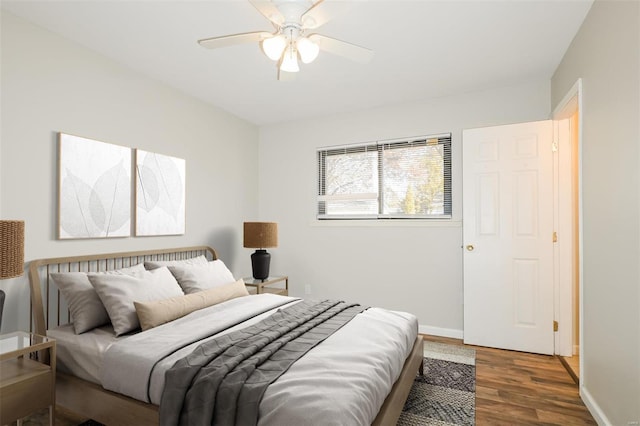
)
(400, 179)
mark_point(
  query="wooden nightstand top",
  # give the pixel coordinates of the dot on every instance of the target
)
(266, 285)
(270, 280)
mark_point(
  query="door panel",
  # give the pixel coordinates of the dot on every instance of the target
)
(508, 227)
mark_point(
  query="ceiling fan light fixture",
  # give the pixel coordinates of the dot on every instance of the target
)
(291, 42)
(289, 61)
(274, 46)
(308, 50)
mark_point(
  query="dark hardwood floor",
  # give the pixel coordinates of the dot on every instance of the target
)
(517, 388)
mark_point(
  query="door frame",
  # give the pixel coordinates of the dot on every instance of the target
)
(571, 103)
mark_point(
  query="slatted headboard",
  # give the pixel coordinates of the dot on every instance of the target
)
(49, 309)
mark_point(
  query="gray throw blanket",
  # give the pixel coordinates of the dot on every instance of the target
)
(223, 380)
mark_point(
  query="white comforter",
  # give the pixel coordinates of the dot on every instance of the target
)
(342, 381)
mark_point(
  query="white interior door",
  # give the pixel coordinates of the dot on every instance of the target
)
(508, 237)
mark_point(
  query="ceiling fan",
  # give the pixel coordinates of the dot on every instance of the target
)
(293, 20)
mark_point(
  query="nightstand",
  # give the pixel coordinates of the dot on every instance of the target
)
(267, 285)
(26, 385)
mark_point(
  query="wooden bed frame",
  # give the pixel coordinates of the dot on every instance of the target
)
(88, 399)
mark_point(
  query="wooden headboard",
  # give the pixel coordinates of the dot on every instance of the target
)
(49, 309)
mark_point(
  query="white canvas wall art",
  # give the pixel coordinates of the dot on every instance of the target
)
(94, 189)
(160, 194)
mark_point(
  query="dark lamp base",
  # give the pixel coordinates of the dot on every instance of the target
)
(260, 261)
(1, 307)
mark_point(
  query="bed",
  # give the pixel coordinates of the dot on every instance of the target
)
(80, 386)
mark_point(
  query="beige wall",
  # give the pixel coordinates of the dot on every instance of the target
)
(49, 85)
(606, 55)
(410, 266)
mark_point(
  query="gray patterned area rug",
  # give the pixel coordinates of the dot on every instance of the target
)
(446, 394)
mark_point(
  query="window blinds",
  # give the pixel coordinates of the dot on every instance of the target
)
(409, 178)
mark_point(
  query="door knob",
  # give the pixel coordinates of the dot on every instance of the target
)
(470, 247)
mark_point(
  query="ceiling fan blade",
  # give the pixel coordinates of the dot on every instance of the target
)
(269, 11)
(342, 48)
(233, 39)
(323, 11)
(286, 76)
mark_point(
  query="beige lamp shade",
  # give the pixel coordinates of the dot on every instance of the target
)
(11, 248)
(260, 234)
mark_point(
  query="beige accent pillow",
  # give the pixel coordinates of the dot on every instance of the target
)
(153, 314)
(155, 264)
(86, 309)
(194, 278)
(118, 292)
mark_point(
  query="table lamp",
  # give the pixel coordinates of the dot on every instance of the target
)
(260, 235)
(11, 253)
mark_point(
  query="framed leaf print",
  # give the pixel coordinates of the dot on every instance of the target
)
(94, 188)
(160, 194)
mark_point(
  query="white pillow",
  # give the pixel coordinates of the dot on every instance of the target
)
(155, 264)
(194, 278)
(85, 307)
(118, 292)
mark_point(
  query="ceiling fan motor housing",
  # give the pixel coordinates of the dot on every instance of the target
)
(292, 10)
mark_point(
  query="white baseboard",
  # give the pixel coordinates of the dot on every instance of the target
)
(442, 332)
(594, 408)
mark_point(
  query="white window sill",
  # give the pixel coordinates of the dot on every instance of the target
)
(393, 223)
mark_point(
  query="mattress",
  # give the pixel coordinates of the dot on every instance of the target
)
(351, 372)
(81, 354)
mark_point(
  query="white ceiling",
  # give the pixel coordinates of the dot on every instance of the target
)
(423, 49)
